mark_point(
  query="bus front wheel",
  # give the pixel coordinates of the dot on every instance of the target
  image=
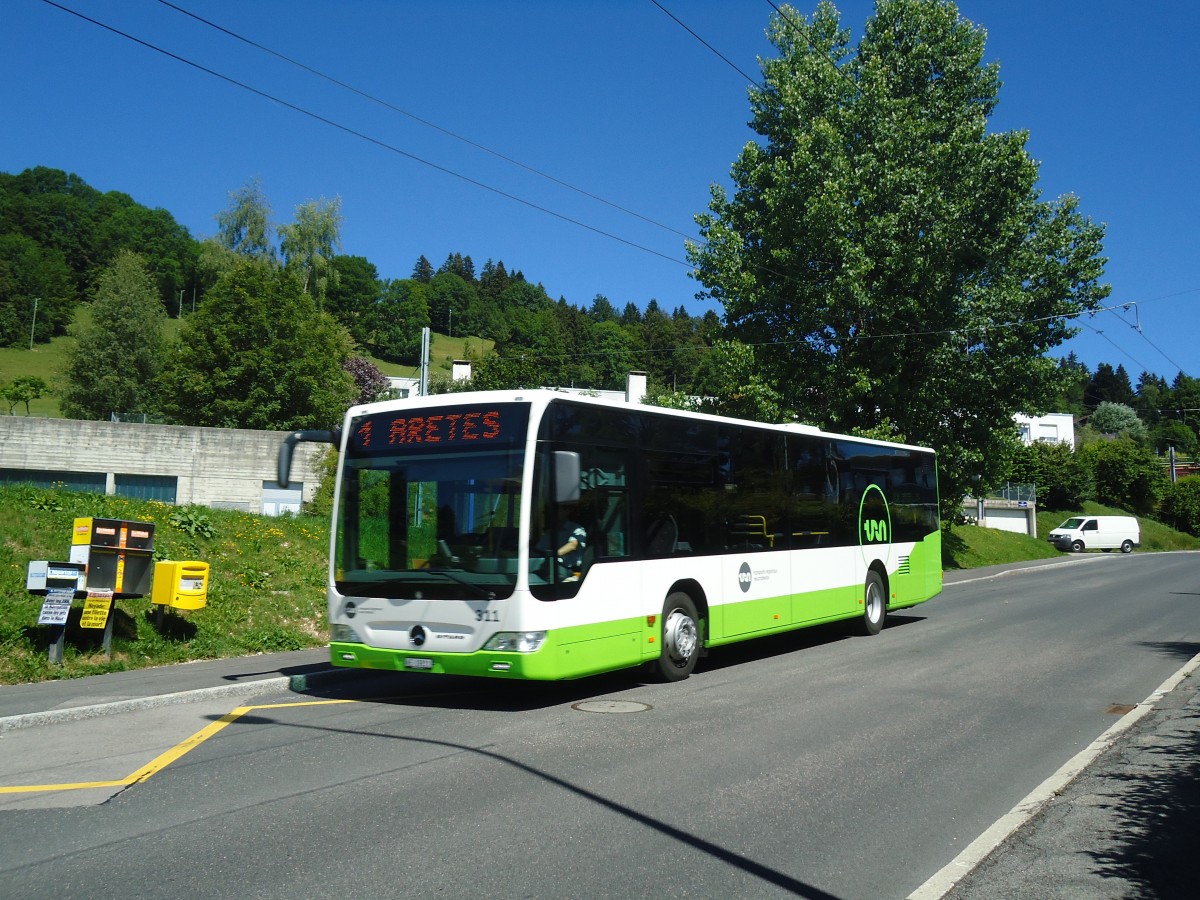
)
(874, 605)
(680, 638)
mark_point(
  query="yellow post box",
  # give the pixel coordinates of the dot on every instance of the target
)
(183, 585)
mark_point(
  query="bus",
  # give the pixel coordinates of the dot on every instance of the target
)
(535, 534)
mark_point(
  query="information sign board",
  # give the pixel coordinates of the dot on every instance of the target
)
(95, 609)
(56, 607)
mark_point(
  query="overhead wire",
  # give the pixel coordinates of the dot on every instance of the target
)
(368, 138)
(717, 52)
(423, 121)
(512, 197)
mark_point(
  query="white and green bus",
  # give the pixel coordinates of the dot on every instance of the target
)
(540, 535)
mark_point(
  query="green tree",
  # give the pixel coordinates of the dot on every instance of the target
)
(1063, 477)
(1181, 505)
(1167, 434)
(37, 292)
(892, 258)
(398, 319)
(1127, 475)
(259, 354)
(117, 357)
(1109, 385)
(353, 295)
(738, 390)
(1152, 391)
(168, 249)
(1117, 419)
(245, 226)
(23, 389)
(1072, 381)
(422, 269)
(453, 304)
(308, 245)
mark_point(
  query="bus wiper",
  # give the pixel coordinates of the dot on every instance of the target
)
(371, 588)
(480, 591)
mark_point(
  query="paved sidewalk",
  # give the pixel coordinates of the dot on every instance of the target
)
(28, 705)
(1126, 827)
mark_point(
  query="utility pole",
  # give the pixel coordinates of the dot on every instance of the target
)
(423, 389)
(33, 324)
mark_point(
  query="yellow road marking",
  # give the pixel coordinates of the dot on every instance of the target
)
(163, 760)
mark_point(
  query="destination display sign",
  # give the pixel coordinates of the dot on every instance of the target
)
(451, 427)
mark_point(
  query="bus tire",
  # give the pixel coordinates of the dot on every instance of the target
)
(874, 605)
(681, 638)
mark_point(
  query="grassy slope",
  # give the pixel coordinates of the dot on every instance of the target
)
(970, 547)
(266, 589)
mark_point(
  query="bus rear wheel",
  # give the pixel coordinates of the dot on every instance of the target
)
(680, 638)
(874, 605)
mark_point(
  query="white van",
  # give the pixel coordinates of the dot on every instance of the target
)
(1097, 533)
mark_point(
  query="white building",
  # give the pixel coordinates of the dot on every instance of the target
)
(1052, 428)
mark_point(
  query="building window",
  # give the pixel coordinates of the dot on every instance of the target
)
(162, 488)
(72, 481)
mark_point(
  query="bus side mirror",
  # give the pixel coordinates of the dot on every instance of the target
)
(285, 449)
(566, 476)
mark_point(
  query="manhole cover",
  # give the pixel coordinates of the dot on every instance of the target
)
(611, 706)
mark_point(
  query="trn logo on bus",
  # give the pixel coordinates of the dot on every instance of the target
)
(875, 531)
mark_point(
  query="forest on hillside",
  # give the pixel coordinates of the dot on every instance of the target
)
(57, 234)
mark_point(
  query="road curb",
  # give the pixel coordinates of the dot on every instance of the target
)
(296, 683)
(944, 880)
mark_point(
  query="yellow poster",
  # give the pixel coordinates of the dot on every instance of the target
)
(95, 609)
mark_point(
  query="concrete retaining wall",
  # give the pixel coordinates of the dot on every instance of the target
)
(212, 466)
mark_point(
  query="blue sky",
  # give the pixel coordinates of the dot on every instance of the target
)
(613, 97)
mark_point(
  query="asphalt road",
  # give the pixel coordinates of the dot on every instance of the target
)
(810, 765)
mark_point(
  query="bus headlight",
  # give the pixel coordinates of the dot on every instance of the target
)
(344, 634)
(516, 641)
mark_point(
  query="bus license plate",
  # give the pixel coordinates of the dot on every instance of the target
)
(413, 663)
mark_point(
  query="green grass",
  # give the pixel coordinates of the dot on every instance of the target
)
(44, 361)
(971, 547)
(266, 588)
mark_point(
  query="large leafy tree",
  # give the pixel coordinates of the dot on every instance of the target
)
(892, 260)
(1127, 474)
(354, 294)
(245, 226)
(309, 243)
(37, 292)
(397, 321)
(259, 354)
(118, 354)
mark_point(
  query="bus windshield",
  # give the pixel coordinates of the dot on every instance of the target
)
(431, 511)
